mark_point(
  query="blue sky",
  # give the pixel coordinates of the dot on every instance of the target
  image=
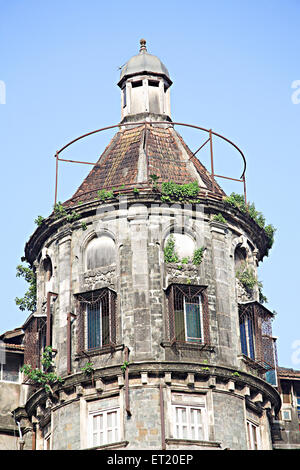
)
(232, 63)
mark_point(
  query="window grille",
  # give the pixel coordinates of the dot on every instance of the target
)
(188, 314)
(257, 342)
(96, 320)
(34, 341)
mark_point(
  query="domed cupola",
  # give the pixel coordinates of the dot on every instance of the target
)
(145, 86)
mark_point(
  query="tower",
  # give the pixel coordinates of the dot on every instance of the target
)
(157, 342)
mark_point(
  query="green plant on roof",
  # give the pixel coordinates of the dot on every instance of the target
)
(154, 180)
(238, 201)
(39, 220)
(136, 190)
(83, 226)
(103, 194)
(219, 218)
(173, 192)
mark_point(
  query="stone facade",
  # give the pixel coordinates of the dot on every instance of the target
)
(173, 361)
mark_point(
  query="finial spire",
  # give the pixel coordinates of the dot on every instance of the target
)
(143, 45)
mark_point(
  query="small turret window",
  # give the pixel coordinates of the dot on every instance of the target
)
(124, 97)
(137, 84)
(153, 83)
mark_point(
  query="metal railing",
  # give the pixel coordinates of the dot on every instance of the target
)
(209, 140)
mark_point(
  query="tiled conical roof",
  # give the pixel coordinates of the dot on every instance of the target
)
(135, 154)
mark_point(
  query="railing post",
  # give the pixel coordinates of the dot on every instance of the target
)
(56, 178)
(212, 161)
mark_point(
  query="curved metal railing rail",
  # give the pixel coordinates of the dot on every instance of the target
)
(211, 133)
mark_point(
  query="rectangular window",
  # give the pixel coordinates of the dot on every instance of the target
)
(96, 320)
(286, 392)
(286, 415)
(153, 83)
(124, 97)
(104, 427)
(253, 436)
(97, 325)
(189, 422)
(137, 84)
(298, 405)
(10, 370)
(188, 318)
(247, 336)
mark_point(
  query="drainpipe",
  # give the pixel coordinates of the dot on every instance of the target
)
(21, 440)
(33, 442)
(69, 366)
(48, 328)
(162, 417)
(127, 404)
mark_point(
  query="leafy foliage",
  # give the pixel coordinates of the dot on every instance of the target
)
(45, 376)
(88, 368)
(198, 256)
(247, 278)
(219, 218)
(124, 366)
(170, 254)
(28, 302)
(179, 192)
(103, 195)
(60, 211)
(39, 220)
(237, 200)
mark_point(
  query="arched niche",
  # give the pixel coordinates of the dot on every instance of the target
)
(184, 244)
(48, 269)
(100, 252)
(240, 258)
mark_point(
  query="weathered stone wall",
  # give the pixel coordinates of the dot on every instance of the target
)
(140, 278)
(65, 427)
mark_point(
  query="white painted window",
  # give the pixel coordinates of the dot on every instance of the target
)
(10, 369)
(104, 427)
(189, 422)
(253, 436)
(286, 415)
(47, 437)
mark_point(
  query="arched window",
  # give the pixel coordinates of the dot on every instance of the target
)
(47, 264)
(100, 252)
(240, 256)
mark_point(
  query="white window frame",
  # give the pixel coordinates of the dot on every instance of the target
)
(116, 429)
(190, 423)
(251, 429)
(10, 381)
(188, 338)
(47, 441)
(289, 418)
